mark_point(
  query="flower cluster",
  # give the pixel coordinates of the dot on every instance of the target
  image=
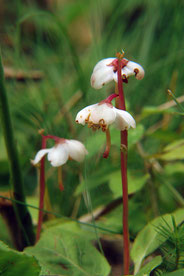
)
(96, 116)
(102, 115)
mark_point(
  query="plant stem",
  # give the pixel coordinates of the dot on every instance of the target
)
(22, 213)
(124, 144)
(60, 181)
(108, 144)
(42, 191)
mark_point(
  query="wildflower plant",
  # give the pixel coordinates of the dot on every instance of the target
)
(58, 155)
(103, 114)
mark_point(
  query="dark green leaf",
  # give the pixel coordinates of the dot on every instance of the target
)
(15, 263)
(179, 272)
(62, 251)
(149, 239)
(150, 266)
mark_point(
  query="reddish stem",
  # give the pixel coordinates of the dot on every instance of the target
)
(60, 182)
(42, 191)
(124, 145)
(108, 144)
(110, 98)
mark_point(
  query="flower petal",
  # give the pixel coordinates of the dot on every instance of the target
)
(102, 73)
(83, 115)
(124, 120)
(76, 150)
(58, 155)
(103, 112)
(40, 154)
(137, 69)
(103, 63)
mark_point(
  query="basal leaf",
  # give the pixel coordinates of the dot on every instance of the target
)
(150, 266)
(62, 251)
(149, 239)
(179, 272)
(15, 263)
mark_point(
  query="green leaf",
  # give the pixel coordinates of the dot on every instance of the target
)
(15, 263)
(173, 151)
(135, 183)
(149, 239)
(62, 251)
(179, 272)
(150, 266)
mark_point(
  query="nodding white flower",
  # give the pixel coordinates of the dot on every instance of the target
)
(103, 114)
(62, 151)
(106, 71)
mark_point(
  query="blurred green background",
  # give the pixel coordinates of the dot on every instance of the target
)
(49, 49)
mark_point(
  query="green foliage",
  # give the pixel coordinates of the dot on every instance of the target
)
(67, 250)
(178, 272)
(15, 263)
(173, 248)
(148, 239)
(150, 266)
(135, 183)
(63, 40)
(173, 151)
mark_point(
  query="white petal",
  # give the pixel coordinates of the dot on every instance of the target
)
(115, 77)
(102, 73)
(101, 77)
(137, 69)
(76, 150)
(58, 155)
(84, 114)
(127, 72)
(124, 120)
(103, 63)
(103, 112)
(40, 154)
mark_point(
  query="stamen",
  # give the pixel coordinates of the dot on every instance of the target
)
(60, 182)
(108, 144)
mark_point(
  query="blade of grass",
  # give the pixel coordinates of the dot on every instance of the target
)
(21, 211)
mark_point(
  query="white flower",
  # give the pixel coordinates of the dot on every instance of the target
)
(61, 152)
(103, 114)
(106, 71)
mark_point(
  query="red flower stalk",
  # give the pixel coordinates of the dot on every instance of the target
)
(42, 191)
(118, 69)
(124, 146)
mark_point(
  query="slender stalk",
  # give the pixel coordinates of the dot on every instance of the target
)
(22, 213)
(42, 191)
(124, 145)
(108, 144)
(60, 181)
